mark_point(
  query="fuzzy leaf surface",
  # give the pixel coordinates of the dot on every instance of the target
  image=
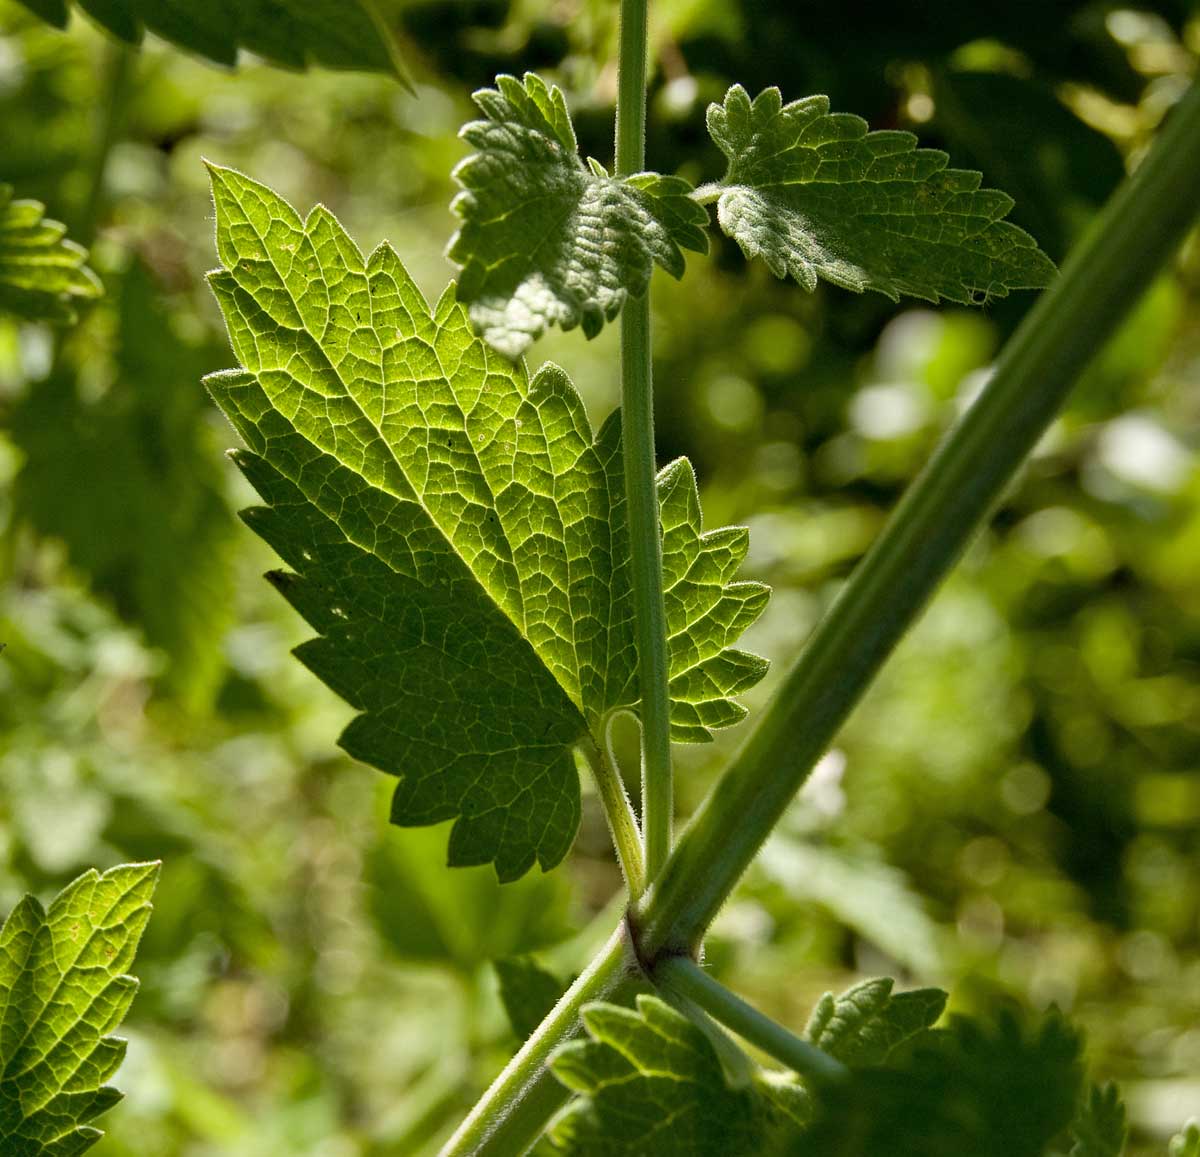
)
(650, 1081)
(43, 275)
(456, 535)
(815, 195)
(863, 1025)
(341, 34)
(547, 240)
(63, 990)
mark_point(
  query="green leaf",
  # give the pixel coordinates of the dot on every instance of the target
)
(63, 989)
(863, 1025)
(154, 535)
(650, 1081)
(815, 195)
(43, 276)
(547, 240)
(341, 34)
(1099, 1127)
(994, 1088)
(456, 536)
(527, 991)
(1186, 1143)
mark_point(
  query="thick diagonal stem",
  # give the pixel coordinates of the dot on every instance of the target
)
(641, 493)
(1136, 233)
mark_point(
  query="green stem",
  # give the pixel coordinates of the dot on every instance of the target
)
(685, 976)
(641, 490)
(1135, 234)
(622, 824)
(119, 60)
(511, 1115)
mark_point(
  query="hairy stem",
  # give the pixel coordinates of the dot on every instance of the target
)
(1103, 279)
(686, 977)
(622, 824)
(641, 492)
(511, 1115)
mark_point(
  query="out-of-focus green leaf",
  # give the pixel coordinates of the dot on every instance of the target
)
(63, 989)
(1099, 1126)
(456, 532)
(1187, 1142)
(815, 195)
(43, 275)
(129, 483)
(528, 992)
(343, 34)
(865, 1024)
(990, 1089)
(547, 240)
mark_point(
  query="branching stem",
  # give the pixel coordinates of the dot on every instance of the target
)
(641, 491)
(1107, 273)
(685, 976)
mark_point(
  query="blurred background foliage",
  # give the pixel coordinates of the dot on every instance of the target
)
(1014, 810)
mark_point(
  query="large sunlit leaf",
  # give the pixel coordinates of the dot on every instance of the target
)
(547, 240)
(816, 196)
(43, 275)
(63, 989)
(456, 535)
(344, 34)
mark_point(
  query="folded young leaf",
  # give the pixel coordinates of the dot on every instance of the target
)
(63, 989)
(1099, 1126)
(863, 1025)
(43, 276)
(342, 34)
(650, 1081)
(815, 195)
(547, 240)
(456, 535)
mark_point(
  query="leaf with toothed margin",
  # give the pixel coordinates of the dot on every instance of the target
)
(63, 990)
(863, 1025)
(343, 34)
(815, 195)
(456, 536)
(43, 276)
(650, 1081)
(547, 240)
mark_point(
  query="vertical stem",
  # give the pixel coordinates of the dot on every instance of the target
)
(110, 119)
(641, 492)
(622, 824)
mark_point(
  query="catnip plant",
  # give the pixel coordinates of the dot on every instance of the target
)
(492, 579)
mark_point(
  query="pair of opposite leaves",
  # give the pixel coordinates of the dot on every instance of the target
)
(455, 530)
